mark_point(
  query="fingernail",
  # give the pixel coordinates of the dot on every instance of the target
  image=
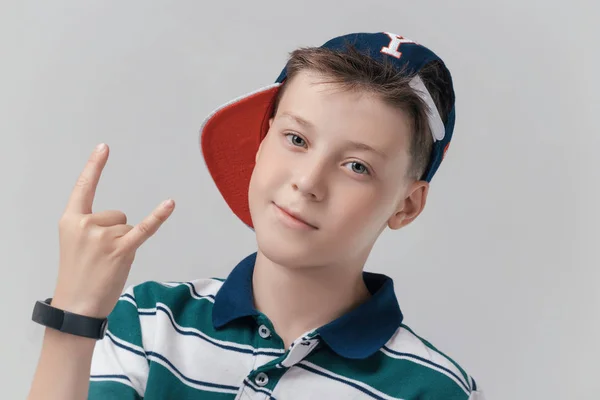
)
(168, 203)
(100, 148)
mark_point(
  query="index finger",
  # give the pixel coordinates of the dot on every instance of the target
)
(148, 227)
(82, 196)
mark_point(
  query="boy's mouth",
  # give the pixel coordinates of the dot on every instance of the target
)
(294, 216)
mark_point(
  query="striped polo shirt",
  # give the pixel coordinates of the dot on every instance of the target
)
(205, 340)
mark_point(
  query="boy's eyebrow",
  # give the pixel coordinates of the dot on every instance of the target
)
(298, 120)
(364, 146)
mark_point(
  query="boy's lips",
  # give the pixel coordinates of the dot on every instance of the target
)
(294, 215)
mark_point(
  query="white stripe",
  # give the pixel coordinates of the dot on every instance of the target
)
(314, 386)
(114, 379)
(110, 359)
(127, 299)
(148, 328)
(404, 341)
(170, 284)
(190, 384)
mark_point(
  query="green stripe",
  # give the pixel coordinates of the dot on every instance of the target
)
(110, 390)
(394, 377)
(124, 323)
(462, 371)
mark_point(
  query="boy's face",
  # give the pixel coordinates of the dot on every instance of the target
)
(336, 160)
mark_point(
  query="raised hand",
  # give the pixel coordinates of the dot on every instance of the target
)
(97, 249)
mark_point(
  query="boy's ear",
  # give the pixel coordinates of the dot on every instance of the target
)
(260, 145)
(411, 206)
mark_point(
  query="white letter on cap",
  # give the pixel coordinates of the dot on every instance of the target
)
(395, 41)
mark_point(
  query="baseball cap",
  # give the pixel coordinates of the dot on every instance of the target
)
(231, 134)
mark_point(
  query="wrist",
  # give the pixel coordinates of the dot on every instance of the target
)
(55, 338)
(77, 306)
(49, 315)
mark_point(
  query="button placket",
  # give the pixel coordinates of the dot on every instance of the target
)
(299, 351)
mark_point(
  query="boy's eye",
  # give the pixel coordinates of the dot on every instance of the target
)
(295, 140)
(358, 168)
(355, 166)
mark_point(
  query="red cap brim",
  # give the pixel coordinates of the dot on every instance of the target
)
(229, 140)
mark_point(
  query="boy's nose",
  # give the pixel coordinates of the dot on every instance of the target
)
(310, 181)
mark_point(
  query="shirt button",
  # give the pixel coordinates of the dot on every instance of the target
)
(264, 332)
(261, 379)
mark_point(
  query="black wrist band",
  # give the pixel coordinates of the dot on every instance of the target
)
(67, 322)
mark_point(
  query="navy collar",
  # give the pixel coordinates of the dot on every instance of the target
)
(357, 334)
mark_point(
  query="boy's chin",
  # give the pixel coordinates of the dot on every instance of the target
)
(290, 255)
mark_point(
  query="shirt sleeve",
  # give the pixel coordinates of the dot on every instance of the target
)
(120, 367)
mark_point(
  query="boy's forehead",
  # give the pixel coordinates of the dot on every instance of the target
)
(308, 93)
(309, 81)
(310, 96)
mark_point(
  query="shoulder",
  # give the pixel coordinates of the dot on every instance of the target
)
(439, 375)
(149, 295)
(143, 307)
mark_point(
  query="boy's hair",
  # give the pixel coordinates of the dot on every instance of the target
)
(356, 71)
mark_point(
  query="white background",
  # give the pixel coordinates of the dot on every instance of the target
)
(501, 271)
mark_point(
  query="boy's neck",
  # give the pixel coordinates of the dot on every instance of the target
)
(297, 300)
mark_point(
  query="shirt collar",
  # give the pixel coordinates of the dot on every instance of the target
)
(356, 334)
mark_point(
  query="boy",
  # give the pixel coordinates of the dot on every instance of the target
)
(344, 144)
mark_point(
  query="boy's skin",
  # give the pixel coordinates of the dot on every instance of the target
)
(304, 276)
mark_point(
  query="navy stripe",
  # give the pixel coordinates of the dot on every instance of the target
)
(474, 384)
(146, 312)
(249, 384)
(430, 363)
(223, 346)
(130, 349)
(111, 377)
(335, 378)
(213, 385)
(191, 286)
